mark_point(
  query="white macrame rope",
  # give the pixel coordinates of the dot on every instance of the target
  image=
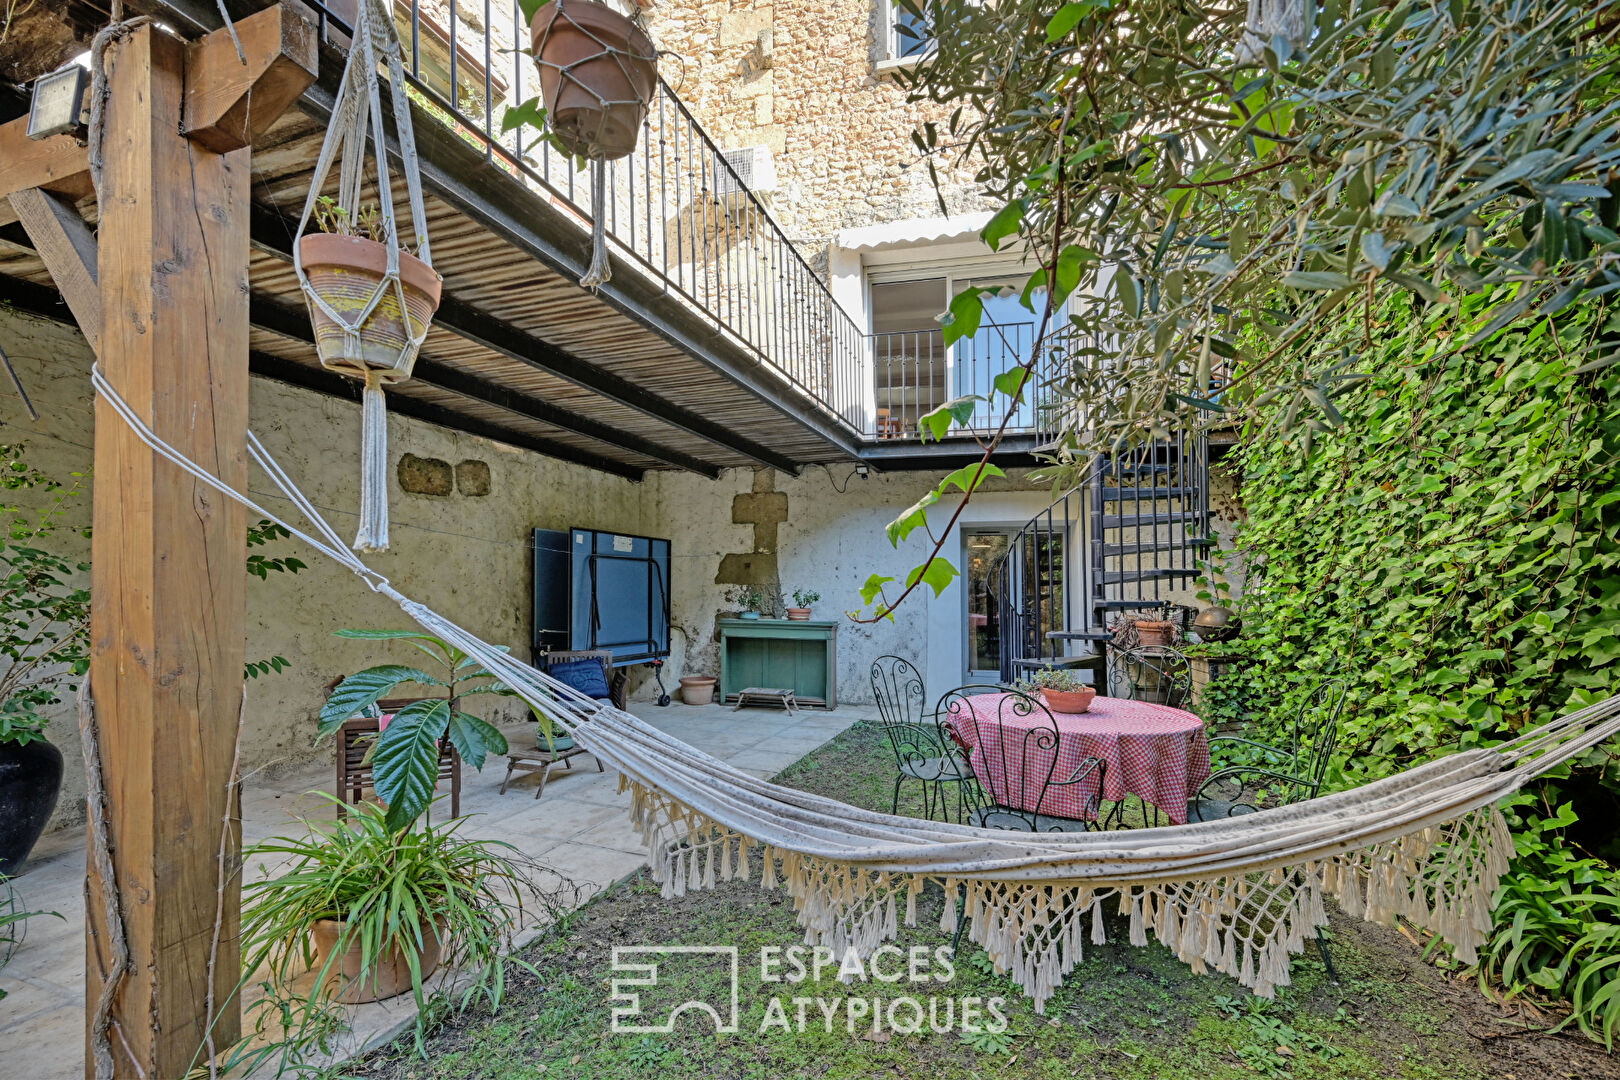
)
(356, 117)
(1238, 896)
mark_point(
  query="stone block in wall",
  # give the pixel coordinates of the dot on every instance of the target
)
(743, 27)
(425, 476)
(472, 477)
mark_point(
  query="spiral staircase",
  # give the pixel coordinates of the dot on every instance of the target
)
(1128, 539)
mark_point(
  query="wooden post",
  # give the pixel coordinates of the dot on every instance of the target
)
(168, 555)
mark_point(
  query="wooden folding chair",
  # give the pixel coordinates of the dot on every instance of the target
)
(357, 736)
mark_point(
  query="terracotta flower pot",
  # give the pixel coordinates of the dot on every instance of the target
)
(697, 689)
(1153, 632)
(1068, 701)
(391, 976)
(596, 99)
(799, 614)
(344, 272)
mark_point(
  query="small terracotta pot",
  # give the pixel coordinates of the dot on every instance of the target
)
(1154, 632)
(344, 272)
(697, 689)
(392, 975)
(1068, 701)
(799, 614)
(596, 99)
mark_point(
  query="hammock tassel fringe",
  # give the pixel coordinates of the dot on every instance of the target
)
(1247, 926)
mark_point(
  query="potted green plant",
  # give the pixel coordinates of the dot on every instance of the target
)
(44, 632)
(748, 598)
(345, 262)
(1061, 689)
(803, 598)
(374, 910)
(406, 756)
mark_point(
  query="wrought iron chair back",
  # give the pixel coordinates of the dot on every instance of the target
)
(921, 749)
(1018, 746)
(1286, 774)
(1156, 673)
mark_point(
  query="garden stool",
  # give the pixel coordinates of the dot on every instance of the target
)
(767, 695)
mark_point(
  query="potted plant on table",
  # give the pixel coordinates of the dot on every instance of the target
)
(1062, 690)
(803, 598)
(748, 598)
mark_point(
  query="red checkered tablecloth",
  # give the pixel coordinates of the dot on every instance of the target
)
(1155, 752)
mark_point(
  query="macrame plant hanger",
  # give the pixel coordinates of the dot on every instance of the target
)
(598, 72)
(370, 303)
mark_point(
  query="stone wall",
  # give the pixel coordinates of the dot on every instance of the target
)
(839, 130)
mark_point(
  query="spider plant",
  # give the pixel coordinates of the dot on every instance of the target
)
(406, 755)
(389, 889)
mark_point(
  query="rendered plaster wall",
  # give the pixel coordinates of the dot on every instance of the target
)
(465, 555)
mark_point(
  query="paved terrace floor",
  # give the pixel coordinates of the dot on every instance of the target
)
(580, 829)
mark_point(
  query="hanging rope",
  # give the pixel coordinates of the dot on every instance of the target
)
(370, 302)
(1291, 20)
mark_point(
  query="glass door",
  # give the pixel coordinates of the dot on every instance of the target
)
(983, 549)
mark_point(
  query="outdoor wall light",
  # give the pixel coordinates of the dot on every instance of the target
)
(862, 471)
(57, 107)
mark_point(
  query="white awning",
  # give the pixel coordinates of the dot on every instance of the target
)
(913, 231)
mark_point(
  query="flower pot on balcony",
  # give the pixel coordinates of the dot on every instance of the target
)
(598, 72)
(799, 614)
(344, 271)
(697, 689)
(390, 977)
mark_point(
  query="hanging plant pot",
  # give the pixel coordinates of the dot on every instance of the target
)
(345, 271)
(30, 781)
(598, 71)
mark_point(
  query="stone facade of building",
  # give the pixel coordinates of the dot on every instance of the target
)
(806, 79)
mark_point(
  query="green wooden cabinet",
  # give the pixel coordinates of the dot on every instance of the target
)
(780, 653)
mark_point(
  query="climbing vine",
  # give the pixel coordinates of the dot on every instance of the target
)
(1453, 550)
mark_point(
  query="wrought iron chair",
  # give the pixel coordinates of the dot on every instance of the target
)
(1019, 779)
(1274, 776)
(922, 752)
(1156, 673)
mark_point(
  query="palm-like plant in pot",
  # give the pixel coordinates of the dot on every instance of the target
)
(405, 758)
(374, 910)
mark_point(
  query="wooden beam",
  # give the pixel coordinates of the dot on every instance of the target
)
(168, 627)
(68, 248)
(59, 163)
(293, 322)
(232, 97)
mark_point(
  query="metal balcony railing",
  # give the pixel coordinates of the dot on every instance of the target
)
(675, 208)
(914, 372)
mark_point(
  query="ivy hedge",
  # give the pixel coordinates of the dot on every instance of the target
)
(1452, 548)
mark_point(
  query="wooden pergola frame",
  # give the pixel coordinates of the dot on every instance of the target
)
(162, 299)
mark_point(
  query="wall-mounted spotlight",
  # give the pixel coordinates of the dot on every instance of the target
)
(57, 107)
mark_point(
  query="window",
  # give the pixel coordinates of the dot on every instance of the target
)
(908, 34)
(914, 371)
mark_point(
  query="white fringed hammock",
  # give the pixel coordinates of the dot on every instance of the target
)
(1237, 896)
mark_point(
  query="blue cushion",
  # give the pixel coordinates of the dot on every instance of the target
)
(586, 676)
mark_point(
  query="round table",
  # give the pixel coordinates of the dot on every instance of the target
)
(1157, 753)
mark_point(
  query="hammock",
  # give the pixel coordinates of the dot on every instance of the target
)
(1237, 896)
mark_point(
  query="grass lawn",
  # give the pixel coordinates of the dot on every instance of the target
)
(1123, 1013)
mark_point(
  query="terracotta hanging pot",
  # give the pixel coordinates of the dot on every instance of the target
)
(598, 71)
(345, 271)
